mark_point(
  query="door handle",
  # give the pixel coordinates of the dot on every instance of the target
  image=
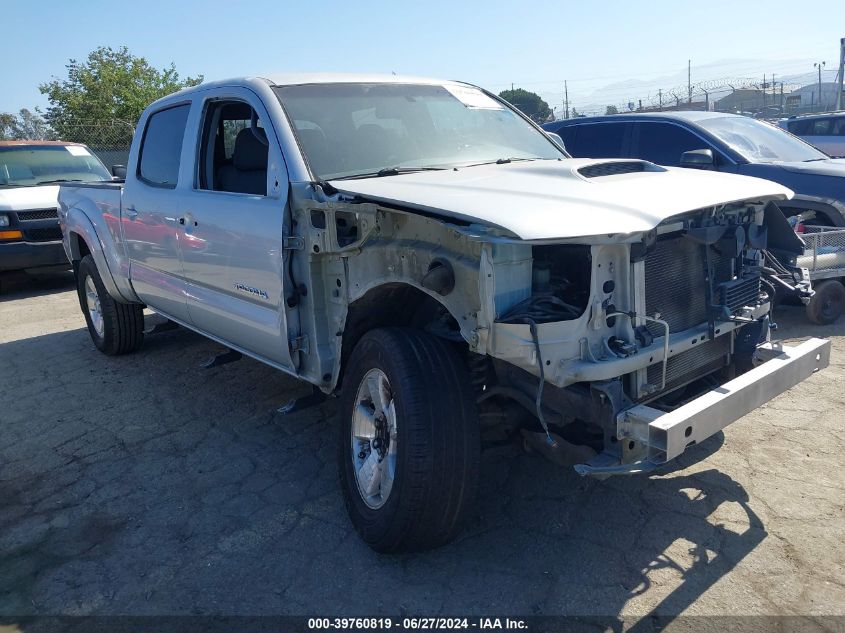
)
(131, 213)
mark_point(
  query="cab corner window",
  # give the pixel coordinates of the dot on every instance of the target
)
(161, 147)
(233, 153)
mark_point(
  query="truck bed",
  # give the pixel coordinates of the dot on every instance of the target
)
(100, 204)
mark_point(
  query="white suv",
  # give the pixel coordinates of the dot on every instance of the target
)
(825, 131)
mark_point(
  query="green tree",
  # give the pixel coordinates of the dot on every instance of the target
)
(611, 109)
(25, 125)
(529, 103)
(111, 85)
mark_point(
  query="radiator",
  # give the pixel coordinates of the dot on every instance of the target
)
(675, 290)
(675, 287)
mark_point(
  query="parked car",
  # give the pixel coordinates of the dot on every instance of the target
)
(424, 251)
(30, 237)
(825, 131)
(722, 142)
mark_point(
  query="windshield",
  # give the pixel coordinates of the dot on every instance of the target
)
(353, 130)
(760, 142)
(31, 165)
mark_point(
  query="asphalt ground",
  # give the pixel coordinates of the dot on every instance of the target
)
(145, 485)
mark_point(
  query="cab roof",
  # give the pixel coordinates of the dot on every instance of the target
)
(293, 79)
(691, 116)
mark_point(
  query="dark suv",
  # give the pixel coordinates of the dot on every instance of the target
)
(724, 142)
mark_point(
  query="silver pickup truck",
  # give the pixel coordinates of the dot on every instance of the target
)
(424, 251)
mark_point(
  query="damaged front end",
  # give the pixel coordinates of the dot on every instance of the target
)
(635, 347)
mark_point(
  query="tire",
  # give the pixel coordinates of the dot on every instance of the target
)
(431, 432)
(115, 328)
(827, 304)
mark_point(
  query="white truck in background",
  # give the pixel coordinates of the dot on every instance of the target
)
(30, 173)
(423, 250)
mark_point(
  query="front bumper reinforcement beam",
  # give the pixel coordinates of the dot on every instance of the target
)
(668, 434)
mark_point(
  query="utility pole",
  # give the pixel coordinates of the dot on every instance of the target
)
(841, 72)
(689, 81)
(774, 90)
(819, 65)
(566, 98)
(764, 90)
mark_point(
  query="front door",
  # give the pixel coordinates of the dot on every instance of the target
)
(150, 214)
(232, 246)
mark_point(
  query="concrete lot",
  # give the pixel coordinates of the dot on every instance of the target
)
(146, 485)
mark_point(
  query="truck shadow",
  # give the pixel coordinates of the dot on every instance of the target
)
(145, 485)
(648, 545)
(21, 285)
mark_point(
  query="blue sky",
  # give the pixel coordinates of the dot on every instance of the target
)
(490, 43)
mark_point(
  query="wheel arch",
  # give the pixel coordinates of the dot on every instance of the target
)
(84, 239)
(396, 304)
(78, 247)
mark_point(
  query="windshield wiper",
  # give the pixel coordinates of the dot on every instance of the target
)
(389, 171)
(50, 182)
(505, 161)
(813, 160)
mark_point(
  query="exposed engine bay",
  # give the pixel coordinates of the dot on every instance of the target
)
(658, 320)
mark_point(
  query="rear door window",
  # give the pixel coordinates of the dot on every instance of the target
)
(663, 143)
(597, 140)
(800, 128)
(821, 127)
(161, 148)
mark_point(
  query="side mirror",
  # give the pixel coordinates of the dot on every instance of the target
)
(697, 158)
(557, 140)
(119, 171)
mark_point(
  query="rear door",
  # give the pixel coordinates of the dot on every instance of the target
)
(150, 212)
(234, 215)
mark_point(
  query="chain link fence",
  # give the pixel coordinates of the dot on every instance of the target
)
(763, 96)
(108, 140)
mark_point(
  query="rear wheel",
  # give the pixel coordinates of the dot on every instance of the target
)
(409, 445)
(115, 328)
(828, 302)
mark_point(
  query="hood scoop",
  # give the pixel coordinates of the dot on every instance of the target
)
(598, 170)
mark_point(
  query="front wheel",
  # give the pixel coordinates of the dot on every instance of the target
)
(409, 447)
(115, 328)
